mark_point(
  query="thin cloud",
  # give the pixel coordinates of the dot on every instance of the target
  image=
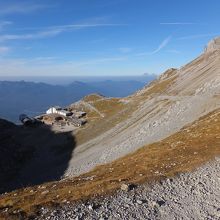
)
(38, 35)
(4, 50)
(197, 36)
(72, 63)
(21, 8)
(159, 48)
(174, 51)
(40, 65)
(177, 23)
(125, 49)
(70, 26)
(4, 23)
(162, 45)
(97, 61)
(52, 31)
(42, 61)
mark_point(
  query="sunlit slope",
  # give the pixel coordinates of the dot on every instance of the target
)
(183, 151)
(102, 114)
(175, 99)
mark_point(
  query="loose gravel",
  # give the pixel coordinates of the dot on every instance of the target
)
(188, 196)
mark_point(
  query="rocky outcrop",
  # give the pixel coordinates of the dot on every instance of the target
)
(213, 45)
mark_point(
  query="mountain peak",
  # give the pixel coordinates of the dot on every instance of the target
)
(213, 45)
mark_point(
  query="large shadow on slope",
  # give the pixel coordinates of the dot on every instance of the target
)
(32, 155)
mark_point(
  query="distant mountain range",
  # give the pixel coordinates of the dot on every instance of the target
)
(34, 98)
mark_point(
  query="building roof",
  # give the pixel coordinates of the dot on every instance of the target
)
(57, 107)
(64, 111)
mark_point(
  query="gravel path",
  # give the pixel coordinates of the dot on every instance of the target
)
(189, 196)
(89, 106)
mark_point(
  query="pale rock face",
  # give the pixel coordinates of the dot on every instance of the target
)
(213, 45)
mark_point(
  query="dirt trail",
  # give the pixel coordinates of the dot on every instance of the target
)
(89, 106)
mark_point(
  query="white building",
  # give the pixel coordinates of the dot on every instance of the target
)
(64, 113)
(58, 110)
(53, 110)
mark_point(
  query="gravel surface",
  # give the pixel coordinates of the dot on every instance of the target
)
(188, 196)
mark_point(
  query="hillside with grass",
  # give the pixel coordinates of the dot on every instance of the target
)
(167, 129)
(183, 151)
(122, 125)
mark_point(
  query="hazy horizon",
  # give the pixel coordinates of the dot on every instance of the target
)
(65, 80)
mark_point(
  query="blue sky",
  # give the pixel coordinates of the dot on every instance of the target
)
(103, 37)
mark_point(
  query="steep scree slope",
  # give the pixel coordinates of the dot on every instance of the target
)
(178, 97)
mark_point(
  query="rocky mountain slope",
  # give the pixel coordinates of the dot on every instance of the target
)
(169, 127)
(182, 152)
(188, 196)
(177, 98)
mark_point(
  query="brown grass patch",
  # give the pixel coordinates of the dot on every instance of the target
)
(161, 85)
(182, 152)
(93, 97)
(114, 112)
